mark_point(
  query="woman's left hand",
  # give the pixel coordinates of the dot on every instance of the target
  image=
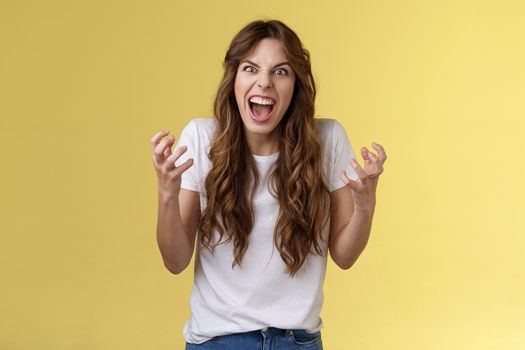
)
(364, 189)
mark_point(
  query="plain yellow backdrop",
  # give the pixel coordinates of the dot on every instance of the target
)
(85, 84)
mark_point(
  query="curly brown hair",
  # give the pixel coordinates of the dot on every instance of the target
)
(298, 181)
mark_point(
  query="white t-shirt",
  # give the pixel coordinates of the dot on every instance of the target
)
(259, 293)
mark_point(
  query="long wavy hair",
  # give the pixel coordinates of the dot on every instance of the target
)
(298, 181)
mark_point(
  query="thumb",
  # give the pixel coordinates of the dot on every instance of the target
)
(347, 181)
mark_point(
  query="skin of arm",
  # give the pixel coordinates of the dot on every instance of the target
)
(352, 208)
(176, 228)
(349, 228)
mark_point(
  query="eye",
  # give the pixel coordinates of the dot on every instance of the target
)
(247, 67)
(284, 71)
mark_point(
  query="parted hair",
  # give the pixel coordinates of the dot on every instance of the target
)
(297, 180)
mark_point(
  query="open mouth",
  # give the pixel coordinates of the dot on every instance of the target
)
(260, 112)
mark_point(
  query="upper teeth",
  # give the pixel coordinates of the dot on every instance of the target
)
(261, 101)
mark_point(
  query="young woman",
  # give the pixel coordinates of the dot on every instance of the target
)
(266, 186)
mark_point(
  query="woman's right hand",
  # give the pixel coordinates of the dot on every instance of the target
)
(168, 175)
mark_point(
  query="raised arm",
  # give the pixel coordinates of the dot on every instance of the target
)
(178, 209)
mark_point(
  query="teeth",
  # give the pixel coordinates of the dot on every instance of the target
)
(261, 101)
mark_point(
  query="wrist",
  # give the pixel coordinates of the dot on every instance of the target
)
(168, 196)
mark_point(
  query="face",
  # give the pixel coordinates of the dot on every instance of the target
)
(264, 72)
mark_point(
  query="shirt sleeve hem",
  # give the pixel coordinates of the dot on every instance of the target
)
(190, 186)
(337, 185)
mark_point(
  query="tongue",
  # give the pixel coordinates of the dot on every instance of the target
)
(260, 110)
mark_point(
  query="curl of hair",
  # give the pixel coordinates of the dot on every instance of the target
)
(297, 182)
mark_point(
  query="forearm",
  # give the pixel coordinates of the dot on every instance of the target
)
(353, 238)
(173, 242)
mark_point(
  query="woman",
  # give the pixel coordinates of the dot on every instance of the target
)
(262, 174)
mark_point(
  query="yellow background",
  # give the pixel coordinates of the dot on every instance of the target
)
(85, 84)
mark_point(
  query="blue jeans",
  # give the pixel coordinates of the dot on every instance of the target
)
(271, 339)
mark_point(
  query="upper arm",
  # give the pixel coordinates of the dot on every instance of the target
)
(341, 201)
(190, 214)
(341, 210)
(189, 197)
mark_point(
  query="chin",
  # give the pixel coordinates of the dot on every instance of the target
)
(257, 127)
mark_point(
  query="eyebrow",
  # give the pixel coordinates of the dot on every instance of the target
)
(255, 64)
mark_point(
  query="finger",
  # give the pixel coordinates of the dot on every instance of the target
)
(155, 139)
(380, 151)
(372, 156)
(177, 153)
(170, 161)
(367, 155)
(183, 167)
(350, 183)
(364, 153)
(167, 150)
(159, 153)
(159, 149)
(360, 172)
(376, 168)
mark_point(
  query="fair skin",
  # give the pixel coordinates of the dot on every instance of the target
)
(178, 209)
(265, 75)
(351, 208)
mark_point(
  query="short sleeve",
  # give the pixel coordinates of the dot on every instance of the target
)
(342, 153)
(189, 137)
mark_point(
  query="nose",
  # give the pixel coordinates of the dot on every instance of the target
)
(264, 81)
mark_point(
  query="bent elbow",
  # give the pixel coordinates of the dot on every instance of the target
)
(345, 267)
(174, 269)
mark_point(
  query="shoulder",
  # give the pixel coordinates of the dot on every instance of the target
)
(199, 133)
(200, 128)
(334, 137)
(201, 124)
(329, 129)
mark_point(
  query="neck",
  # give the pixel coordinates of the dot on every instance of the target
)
(262, 144)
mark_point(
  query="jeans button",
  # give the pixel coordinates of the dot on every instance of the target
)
(289, 332)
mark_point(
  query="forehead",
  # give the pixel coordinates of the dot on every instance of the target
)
(266, 50)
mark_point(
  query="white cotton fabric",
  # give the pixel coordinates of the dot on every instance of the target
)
(259, 293)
